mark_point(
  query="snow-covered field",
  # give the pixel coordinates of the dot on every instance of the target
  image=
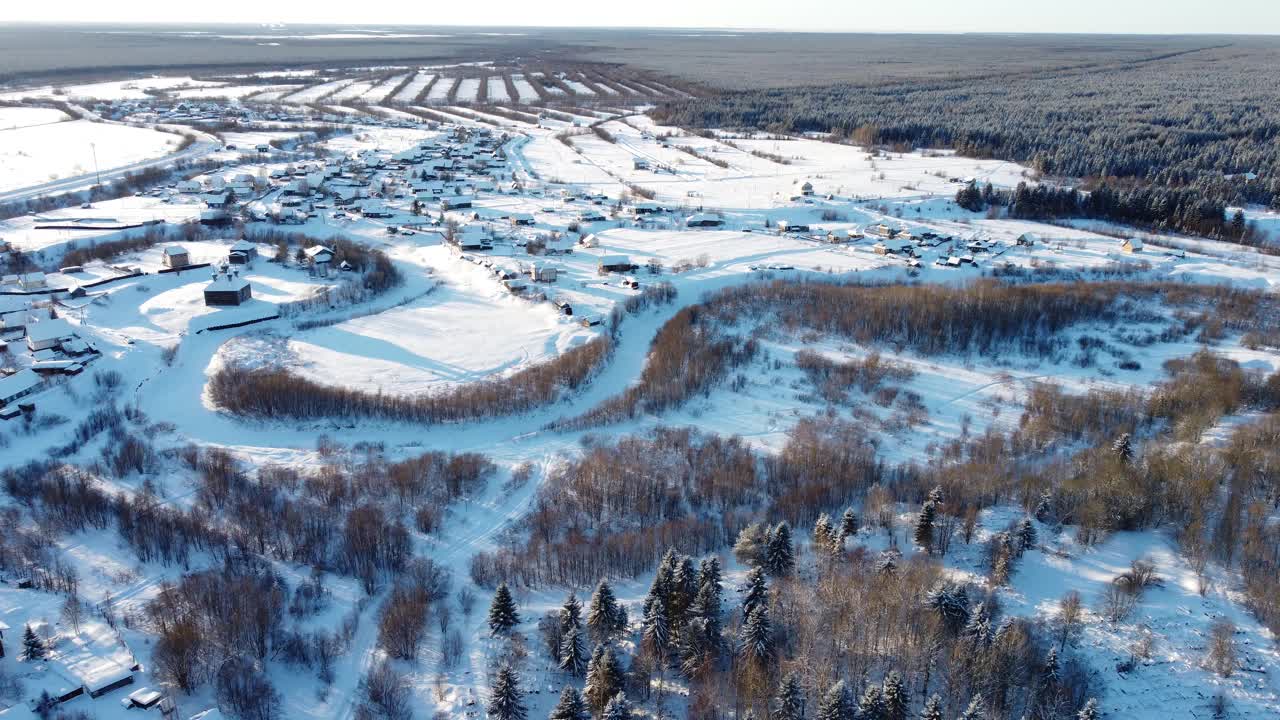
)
(42, 152)
(415, 86)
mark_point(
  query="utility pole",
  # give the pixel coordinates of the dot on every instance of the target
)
(96, 172)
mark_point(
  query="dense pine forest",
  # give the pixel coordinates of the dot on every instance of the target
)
(1205, 120)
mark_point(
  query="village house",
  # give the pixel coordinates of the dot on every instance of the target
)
(227, 290)
(48, 334)
(1131, 245)
(33, 281)
(319, 258)
(802, 189)
(15, 387)
(614, 263)
(175, 256)
(703, 220)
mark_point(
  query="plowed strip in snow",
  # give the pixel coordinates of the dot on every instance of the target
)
(468, 89)
(415, 86)
(527, 93)
(579, 87)
(440, 91)
(496, 89)
(351, 92)
(383, 89)
(315, 92)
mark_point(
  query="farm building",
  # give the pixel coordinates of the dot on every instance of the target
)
(33, 281)
(786, 226)
(176, 256)
(227, 290)
(639, 164)
(15, 387)
(542, 273)
(803, 188)
(48, 334)
(245, 247)
(319, 257)
(701, 220)
(1131, 245)
(455, 202)
(645, 208)
(1028, 240)
(564, 307)
(615, 263)
(882, 231)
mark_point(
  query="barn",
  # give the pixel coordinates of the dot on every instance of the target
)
(227, 290)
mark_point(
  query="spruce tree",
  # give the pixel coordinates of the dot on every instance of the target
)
(502, 611)
(936, 495)
(789, 704)
(755, 592)
(655, 630)
(570, 614)
(871, 706)
(573, 653)
(757, 636)
(975, 710)
(604, 678)
(710, 575)
(605, 618)
(1122, 448)
(978, 630)
(32, 645)
(932, 709)
(836, 704)
(951, 603)
(895, 697)
(1044, 508)
(1089, 711)
(848, 523)
(618, 708)
(924, 526)
(570, 706)
(1027, 538)
(1050, 675)
(823, 532)
(506, 702)
(684, 589)
(780, 557)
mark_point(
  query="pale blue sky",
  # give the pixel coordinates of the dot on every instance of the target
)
(1113, 16)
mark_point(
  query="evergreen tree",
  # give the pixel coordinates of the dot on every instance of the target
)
(789, 704)
(757, 636)
(936, 496)
(780, 557)
(871, 706)
(710, 575)
(823, 532)
(32, 645)
(836, 704)
(618, 708)
(655, 630)
(604, 678)
(570, 614)
(573, 653)
(570, 706)
(752, 543)
(605, 618)
(975, 710)
(932, 709)
(506, 702)
(1044, 508)
(924, 525)
(1089, 711)
(1049, 677)
(978, 630)
(1122, 448)
(699, 647)
(895, 697)
(755, 592)
(848, 523)
(684, 589)
(887, 563)
(1027, 537)
(502, 611)
(951, 603)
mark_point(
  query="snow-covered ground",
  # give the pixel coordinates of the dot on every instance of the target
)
(453, 324)
(39, 153)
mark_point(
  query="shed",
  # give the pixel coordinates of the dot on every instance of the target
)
(564, 307)
(1131, 245)
(614, 263)
(175, 256)
(33, 281)
(246, 248)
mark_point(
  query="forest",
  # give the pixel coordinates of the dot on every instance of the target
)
(1204, 120)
